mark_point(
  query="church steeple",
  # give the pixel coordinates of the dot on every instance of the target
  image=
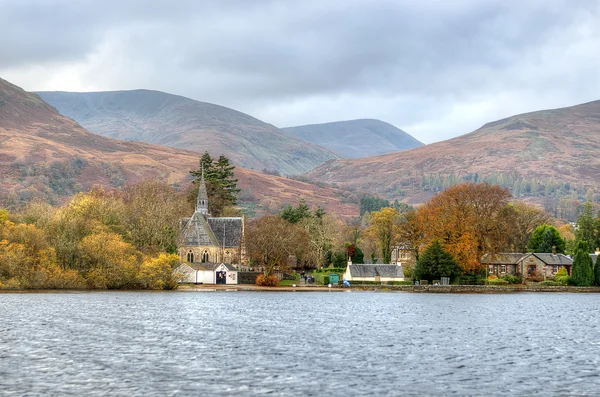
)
(202, 201)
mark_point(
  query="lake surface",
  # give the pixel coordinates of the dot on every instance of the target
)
(298, 343)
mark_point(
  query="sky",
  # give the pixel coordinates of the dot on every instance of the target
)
(434, 68)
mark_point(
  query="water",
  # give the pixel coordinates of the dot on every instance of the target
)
(301, 344)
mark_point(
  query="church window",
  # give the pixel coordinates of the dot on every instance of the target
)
(190, 257)
(205, 257)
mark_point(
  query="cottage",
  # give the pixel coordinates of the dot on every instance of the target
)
(206, 273)
(529, 265)
(210, 246)
(374, 272)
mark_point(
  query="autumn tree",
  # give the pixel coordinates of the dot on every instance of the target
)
(152, 213)
(321, 229)
(523, 219)
(270, 241)
(221, 186)
(467, 220)
(410, 232)
(384, 227)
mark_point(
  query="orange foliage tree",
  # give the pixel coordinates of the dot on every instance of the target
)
(468, 221)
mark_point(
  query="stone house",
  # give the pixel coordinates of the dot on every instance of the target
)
(529, 265)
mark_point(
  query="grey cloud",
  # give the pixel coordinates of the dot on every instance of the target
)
(406, 62)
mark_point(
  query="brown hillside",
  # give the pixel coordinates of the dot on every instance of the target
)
(551, 153)
(44, 154)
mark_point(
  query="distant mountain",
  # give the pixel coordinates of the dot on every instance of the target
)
(544, 155)
(47, 155)
(176, 121)
(356, 138)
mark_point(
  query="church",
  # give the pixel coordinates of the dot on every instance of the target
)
(210, 247)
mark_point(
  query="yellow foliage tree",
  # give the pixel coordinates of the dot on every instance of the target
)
(157, 272)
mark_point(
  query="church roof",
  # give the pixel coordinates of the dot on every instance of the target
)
(227, 231)
(197, 232)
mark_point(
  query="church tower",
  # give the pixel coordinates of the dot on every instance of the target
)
(202, 201)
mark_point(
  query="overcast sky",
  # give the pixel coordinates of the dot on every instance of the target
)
(436, 69)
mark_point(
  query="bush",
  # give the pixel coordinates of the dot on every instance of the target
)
(325, 280)
(399, 282)
(497, 281)
(492, 277)
(550, 283)
(512, 279)
(562, 280)
(264, 281)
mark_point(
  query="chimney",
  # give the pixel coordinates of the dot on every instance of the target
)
(597, 251)
(553, 250)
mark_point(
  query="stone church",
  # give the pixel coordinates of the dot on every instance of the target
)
(206, 240)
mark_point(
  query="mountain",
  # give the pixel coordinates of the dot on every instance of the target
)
(45, 154)
(543, 155)
(176, 121)
(356, 138)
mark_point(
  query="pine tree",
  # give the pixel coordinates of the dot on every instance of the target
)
(221, 186)
(582, 274)
(435, 263)
(544, 238)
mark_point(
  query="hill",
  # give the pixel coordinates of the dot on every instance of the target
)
(45, 154)
(544, 155)
(179, 122)
(356, 138)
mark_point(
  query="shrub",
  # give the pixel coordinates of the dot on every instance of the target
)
(497, 281)
(562, 280)
(325, 280)
(550, 283)
(270, 281)
(537, 276)
(512, 279)
(492, 277)
(399, 282)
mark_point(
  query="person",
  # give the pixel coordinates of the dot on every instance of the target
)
(303, 276)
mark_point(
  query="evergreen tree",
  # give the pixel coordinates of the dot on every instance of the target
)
(371, 204)
(544, 238)
(582, 274)
(295, 215)
(221, 186)
(435, 263)
(597, 272)
(585, 226)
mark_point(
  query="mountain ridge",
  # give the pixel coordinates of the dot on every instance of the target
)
(356, 138)
(176, 121)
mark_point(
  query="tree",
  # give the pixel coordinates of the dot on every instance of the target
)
(582, 274)
(371, 204)
(321, 229)
(585, 230)
(410, 232)
(468, 221)
(152, 213)
(270, 241)
(295, 215)
(597, 272)
(523, 219)
(221, 186)
(384, 226)
(546, 238)
(435, 263)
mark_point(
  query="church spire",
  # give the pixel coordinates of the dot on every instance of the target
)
(202, 201)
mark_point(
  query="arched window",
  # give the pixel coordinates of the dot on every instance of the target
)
(190, 256)
(205, 257)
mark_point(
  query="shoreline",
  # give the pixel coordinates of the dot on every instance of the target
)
(451, 289)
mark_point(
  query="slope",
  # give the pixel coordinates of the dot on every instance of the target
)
(356, 138)
(47, 155)
(544, 154)
(176, 121)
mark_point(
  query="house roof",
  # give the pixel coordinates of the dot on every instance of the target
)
(515, 258)
(554, 259)
(369, 270)
(502, 258)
